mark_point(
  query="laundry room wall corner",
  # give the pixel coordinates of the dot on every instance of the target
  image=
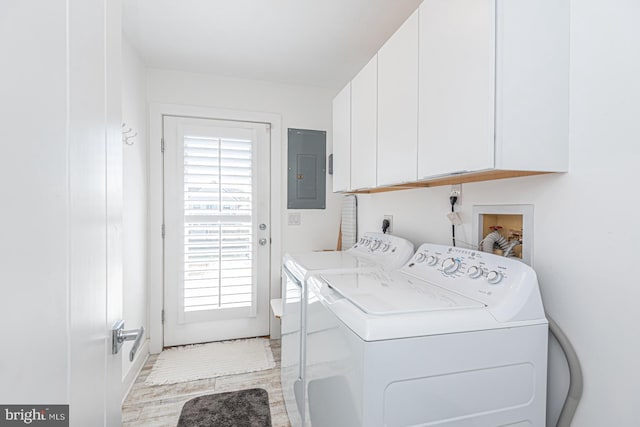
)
(135, 207)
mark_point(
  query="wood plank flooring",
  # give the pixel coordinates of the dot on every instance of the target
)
(160, 405)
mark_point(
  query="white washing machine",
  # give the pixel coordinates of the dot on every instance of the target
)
(456, 337)
(374, 251)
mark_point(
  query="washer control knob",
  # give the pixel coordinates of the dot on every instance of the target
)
(386, 247)
(474, 272)
(494, 277)
(450, 265)
(432, 260)
(376, 244)
(420, 257)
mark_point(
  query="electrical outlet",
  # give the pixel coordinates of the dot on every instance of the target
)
(294, 218)
(456, 190)
(390, 219)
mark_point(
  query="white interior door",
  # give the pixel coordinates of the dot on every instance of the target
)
(217, 230)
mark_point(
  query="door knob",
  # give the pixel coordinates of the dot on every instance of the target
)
(262, 241)
(119, 336)
(262, 226)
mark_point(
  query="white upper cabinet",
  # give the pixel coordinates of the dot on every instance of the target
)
(471, 89)
(532, 94)
(493, 86)
(398, 106)
(364, 111)
(342, 140)
(456, 86)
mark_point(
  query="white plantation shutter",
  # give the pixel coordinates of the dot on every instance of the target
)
(218, 201)
(216, 193)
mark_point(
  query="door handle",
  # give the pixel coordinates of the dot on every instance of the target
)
(119, 336)
(262, 241)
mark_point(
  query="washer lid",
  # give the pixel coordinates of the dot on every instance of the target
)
(379, 293)
(326, 261)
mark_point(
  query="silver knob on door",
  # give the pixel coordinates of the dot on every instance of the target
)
(262, 226)
(262, 241)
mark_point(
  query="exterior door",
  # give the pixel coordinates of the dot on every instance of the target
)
(217, 231)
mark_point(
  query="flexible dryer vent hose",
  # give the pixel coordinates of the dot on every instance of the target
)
(575, 375)
(495, 238)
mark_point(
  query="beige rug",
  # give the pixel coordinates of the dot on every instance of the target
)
(195, 362)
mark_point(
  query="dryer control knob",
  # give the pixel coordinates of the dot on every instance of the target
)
(432, 260)
(420, 257)
(450, 265)
(376, 244)
(474, 272)
(494, 277)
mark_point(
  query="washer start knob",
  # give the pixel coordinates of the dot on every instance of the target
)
(494, 277)
(450, 265)
(432, 260)
(474, 272)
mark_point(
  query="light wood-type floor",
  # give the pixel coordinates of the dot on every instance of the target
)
(160, 405)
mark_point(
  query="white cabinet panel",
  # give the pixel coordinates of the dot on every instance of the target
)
(532, 94)
(398, 105)
(456, 96)
(364, 111)
(493, 86)
(342, 140)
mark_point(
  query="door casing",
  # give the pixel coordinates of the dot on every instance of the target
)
(156, 202)
(181, 328)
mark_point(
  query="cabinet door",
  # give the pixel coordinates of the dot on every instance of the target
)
(364, 110)
(457, 86)
(342, 140)
(398, 105)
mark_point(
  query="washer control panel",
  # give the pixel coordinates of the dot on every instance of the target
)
(489, 278)
(390, 250)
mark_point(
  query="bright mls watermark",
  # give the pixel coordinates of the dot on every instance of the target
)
(34, 415)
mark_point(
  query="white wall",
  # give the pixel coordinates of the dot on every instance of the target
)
(299, 107)
(586, 238)
(135, 176)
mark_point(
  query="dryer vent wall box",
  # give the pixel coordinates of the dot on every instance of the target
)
(306, 169)
(505, 230)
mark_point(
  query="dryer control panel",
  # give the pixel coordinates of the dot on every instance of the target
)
(507, 286)
(389, 250)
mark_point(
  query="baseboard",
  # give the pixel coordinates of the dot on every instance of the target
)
(136, 367)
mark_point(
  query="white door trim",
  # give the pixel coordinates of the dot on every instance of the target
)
(155, 253)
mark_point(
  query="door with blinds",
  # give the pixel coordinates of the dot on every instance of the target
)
(216, 228)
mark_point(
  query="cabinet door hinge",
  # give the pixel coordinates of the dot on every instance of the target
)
(162, 145)
(163, 231)
(162, 316)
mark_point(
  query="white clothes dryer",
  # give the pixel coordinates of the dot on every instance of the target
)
(456, 337)
(373, 251)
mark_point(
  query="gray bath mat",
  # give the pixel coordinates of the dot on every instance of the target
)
(244, 408)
